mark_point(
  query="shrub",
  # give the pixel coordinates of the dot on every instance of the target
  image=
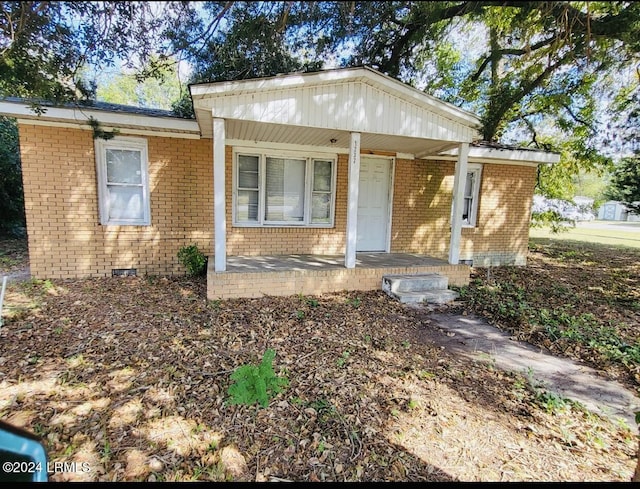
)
(193, 259)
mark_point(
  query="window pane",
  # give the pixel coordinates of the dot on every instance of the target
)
(247, 206)
(284, 190)
(125, 203)
(466, 211)
(248, 171)
(322, 175)
(468, 188)
(123, 166)
(321, 208)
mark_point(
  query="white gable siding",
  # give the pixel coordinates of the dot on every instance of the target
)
(348, 106)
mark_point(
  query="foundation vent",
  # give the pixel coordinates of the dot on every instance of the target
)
(124, 272)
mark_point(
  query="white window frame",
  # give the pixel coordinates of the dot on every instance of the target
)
(472, 221)
(309, 158)
(126, 144)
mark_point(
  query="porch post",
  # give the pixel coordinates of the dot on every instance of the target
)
(352, 201)
(219, 214)
(459, 182)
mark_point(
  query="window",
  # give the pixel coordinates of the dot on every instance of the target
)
(279, 190)
(471, 196)
(123, 181)
(471, 193)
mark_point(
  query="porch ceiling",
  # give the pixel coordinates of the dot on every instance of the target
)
(333, 140)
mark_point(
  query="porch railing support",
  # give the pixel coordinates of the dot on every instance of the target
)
(219, 212)
(352, 201)
(459, 182)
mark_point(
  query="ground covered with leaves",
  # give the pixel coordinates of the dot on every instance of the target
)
(132, 376)
(573, 299)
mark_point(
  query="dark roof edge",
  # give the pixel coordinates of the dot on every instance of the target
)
(99, 105)
(509, 147)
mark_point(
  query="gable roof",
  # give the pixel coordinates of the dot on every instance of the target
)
(320, 106)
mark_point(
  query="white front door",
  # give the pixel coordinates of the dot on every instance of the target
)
(373, 204)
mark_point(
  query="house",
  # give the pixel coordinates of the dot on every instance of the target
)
(297, 183)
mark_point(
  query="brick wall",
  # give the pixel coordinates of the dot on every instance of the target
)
(422, 210)
(282, 283)
(502, 234)
(65, 236)
(66, 239)
(422, 207)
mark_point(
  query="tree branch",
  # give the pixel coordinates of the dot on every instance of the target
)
(513, 52)
(578, 119)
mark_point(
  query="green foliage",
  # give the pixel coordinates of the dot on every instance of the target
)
(591, 184)
(625, 183)
(99, 132)
(159, 90)
(256, 384)
(193, 259)
(11, 194)
(552, 402)
(551, 219)
(343, 358)
(255, 42)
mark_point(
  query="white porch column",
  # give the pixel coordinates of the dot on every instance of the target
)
(459, 182)
(352, 201)
(219, 213)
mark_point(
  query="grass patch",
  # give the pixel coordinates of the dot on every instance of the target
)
(604, 236)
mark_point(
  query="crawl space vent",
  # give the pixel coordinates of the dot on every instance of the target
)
(123, 272)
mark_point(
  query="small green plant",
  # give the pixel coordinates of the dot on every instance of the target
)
(300, 314)
(426, 375)
(343, 359)
(552, 402)
(106, 450)
(8, 261)
(355, 302)
(193, 259)
(39, 430)
(256, 383)
(321, 447)
(312, 302)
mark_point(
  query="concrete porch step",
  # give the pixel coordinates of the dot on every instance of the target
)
(442, 296)
(409, 289)
(414, 283)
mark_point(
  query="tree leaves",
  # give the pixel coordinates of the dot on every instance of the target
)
(625, 183)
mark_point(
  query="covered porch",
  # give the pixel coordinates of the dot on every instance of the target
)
(256, 276)
(344, 119)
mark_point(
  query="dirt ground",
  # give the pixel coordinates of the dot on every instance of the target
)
(131, 376)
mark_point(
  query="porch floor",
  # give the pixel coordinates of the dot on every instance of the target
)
(281, 263)
(256, 276)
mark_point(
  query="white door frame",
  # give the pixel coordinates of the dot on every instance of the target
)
(392, 170)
